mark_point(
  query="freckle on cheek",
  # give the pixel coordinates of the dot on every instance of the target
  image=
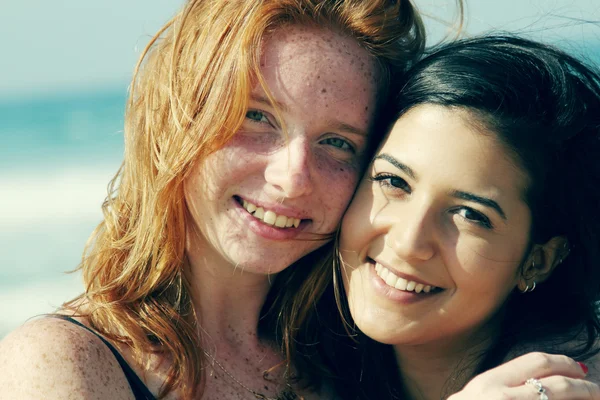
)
(323, 90)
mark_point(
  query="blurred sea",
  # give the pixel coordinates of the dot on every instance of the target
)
(57, 154)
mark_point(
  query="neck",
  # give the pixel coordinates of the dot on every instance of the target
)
(227, 300)
(434, 371)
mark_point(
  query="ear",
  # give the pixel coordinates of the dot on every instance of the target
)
(542, 260)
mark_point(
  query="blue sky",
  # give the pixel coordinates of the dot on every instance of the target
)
(83, 44)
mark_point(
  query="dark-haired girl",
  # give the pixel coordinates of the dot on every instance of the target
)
(475, 235)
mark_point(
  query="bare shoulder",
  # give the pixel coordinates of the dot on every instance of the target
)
(54, 359)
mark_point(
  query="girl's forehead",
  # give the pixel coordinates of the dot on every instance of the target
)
(449, 144)
(315, 49)
(321, 74)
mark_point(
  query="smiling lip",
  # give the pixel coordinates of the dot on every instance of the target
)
(277, 208)
(409, 294)
(400, 276)
(269, 231)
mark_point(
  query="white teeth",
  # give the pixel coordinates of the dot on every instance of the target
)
(281, 221)
(401, 284)
(269, 217)
(383, 274)
(397, 282)
(259, 213)
(391, 279)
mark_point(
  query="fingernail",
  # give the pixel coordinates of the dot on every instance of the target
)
(583, 367)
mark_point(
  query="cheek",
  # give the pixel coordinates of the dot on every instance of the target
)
(484, 271)
(336, 180)
(196, 179)
(254, 142)
(241, 150)
(196, 192)
(505, 251)
(357, 227)
(240, 157)
(208, 177)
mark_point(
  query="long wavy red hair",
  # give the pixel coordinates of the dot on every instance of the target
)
(188, 98)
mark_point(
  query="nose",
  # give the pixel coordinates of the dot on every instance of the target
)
(289, 169)
(411, 234)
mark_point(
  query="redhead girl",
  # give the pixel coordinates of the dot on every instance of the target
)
(247, 130)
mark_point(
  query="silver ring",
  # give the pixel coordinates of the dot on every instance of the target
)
(538, 387)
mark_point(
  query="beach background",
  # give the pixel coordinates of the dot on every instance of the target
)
(64, 76)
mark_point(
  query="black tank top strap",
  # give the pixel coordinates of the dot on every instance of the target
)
(139, 389)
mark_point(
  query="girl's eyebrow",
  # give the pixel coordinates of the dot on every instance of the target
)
(457, 193)
(341, 126)
(397, 164)
(481, 200)
(265, 100)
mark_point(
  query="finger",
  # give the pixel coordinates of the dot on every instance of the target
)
(557, 388)
(513, 373)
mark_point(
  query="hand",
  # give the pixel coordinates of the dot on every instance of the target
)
(561, 377)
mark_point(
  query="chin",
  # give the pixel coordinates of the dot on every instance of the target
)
(263, 264)
(379, 335)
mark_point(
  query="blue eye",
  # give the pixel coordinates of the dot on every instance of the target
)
(257, 116)
(338, 143)
(474, 216)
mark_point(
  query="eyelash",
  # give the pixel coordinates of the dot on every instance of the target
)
(263, 114)
(385, 180)
(483, 221)
(349, 146)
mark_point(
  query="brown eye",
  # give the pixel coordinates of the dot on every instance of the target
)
(392, 181)
(474, 216)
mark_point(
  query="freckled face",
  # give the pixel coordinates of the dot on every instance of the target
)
(441, 206)
(324, 85)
